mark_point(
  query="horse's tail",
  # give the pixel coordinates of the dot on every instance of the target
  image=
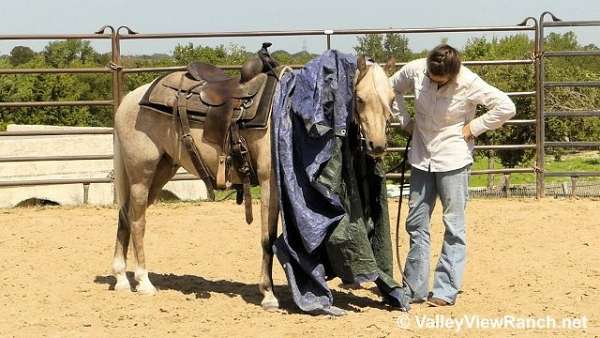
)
(121, 181)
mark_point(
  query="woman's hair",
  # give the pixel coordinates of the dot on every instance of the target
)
(443, 60)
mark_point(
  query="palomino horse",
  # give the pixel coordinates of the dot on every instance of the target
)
(148, 152)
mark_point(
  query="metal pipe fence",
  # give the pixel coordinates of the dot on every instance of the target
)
(118, 71)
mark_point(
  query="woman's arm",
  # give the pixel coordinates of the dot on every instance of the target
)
(501, 108)
(402, 82)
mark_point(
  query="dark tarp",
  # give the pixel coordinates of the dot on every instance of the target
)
(332, 196)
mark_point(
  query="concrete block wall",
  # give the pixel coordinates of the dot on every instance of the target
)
(68, 145)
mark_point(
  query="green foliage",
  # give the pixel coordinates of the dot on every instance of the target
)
(135, 80)
(371, 45)
(570, 99)
(73, 54)
(382, 47)
(396, 45)
(59, 54)
(286, 58)
(514, 78)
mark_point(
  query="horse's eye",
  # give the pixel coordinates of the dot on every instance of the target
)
(359, 100)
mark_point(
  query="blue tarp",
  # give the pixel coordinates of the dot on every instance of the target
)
(312, 112)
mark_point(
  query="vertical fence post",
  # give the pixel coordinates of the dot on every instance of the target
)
(507, 185)
(117, 60)
(114, 64)
(86, 193)
(541, 123)
(490, 177)
(565, 188)
(328, 33)
(573, 186)
(539, 108)
(115, 67)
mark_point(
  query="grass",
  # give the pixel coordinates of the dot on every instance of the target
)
(583, 161)
(230, 194)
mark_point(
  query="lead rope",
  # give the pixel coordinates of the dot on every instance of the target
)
(403, 170)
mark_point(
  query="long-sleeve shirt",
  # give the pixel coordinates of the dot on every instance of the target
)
(441, 113)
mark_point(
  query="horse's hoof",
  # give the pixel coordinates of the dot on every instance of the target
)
(270, 304)
(122, 286)
(146, 290)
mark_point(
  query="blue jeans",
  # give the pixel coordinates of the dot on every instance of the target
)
(452, 189)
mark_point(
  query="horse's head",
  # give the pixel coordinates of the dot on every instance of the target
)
(373, 100)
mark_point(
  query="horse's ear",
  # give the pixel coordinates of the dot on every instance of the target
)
(361, 63)
(390, 66)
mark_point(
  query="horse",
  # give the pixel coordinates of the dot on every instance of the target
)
(148, 152)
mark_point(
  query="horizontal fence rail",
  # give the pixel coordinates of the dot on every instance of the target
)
(55, 71)
(572, 53)
(574, 113)
(313, 32)
(56, 181)
(478, 147)
(51, 132)
(572, 84)
(56, 103)
(54, 158)
(573, 144)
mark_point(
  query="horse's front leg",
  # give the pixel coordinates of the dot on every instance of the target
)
(269, 215)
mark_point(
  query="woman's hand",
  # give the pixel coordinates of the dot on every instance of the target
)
(468, 136)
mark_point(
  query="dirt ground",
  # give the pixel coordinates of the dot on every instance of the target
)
(526, 259)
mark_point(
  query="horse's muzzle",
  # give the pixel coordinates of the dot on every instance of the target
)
(376, 151)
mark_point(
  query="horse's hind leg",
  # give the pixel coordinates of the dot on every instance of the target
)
(119, 265)
(141, 172)
(269, 215)
(143, 193)
(165, 170)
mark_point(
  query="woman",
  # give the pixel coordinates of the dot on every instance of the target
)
(441, 154)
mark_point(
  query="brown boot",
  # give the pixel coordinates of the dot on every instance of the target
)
(418, 300)
(436, 302)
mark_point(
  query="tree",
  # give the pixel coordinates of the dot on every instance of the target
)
(371, 45)
(63, 53)
(571, 99)
(20, 55)
(396, 45)
(184, 54)
(381, 47)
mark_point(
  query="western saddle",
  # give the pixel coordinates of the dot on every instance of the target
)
(204, 94)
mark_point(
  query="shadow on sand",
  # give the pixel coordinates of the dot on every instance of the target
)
(202, 288)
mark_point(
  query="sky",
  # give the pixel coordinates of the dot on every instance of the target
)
(154, 16)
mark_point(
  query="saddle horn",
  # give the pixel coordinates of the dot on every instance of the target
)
(262, 63)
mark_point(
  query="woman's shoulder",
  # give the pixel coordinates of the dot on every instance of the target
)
(466, 76)
(414, 68)
(417, 64)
